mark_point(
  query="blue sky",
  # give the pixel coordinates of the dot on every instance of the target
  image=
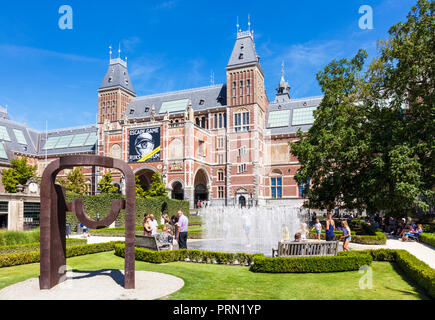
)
(49, 74)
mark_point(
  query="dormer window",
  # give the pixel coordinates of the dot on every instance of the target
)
(242, 46)
(241, 56)
(110, 79)
(147, 109)
(201, 102)
(126, 81)
(131, 111)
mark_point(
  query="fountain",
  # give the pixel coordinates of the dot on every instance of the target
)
(249, 230)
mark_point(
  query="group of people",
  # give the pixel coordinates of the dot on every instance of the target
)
(329, 232)
(202, 204)
(395, 227)
(173, 228)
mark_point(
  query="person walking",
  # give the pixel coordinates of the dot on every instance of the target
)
(183, 223)
(346, 237)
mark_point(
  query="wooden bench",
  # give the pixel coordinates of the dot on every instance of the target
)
(149, 242)
(305, 248)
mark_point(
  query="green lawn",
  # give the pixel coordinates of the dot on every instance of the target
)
(233, 282)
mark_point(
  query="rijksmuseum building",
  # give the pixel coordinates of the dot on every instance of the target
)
(226, 143)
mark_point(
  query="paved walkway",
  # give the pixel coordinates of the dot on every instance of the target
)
(422, 251)
(97, 285)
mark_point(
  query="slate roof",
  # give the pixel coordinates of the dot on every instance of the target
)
(244, 52)
(202, 99)
(34, 141)
(117, 76)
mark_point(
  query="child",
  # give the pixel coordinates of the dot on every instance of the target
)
(346, 235)
(318, 227)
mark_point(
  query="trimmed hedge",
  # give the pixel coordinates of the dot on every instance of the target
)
(199, 256)
(428, 238)
(14, 259)
(310, 264)
(414, 268)
(101, 204)
(8, 238)
(28, 247)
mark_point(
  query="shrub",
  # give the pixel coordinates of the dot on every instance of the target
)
(310, 264)
(28, 247)
(146, 255)
(8, 238)
(14, 259)
(101, 204)
(428, 238)
(379, 238)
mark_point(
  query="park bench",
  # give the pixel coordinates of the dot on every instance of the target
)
(149, 242)
(305, 248)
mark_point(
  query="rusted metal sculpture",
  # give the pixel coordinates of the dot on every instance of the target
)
(53, 218)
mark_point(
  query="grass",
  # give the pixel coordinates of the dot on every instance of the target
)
(219, 282)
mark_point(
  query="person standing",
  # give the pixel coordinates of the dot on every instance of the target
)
(318, 227)
(183, 224)
(330, 227)
(154, 224)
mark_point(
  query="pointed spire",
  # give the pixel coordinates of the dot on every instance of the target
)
(110, 52)
(283, 90)
(249, 22)
(237, 26)
(119, 50)
(282, 71)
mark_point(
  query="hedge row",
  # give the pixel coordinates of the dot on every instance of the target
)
(379, 238)
(100, 204)
(188, 254)
(14, 259)
(28, 247)
(310, 264)
(8, 238)
(414, 268)
(428, 238)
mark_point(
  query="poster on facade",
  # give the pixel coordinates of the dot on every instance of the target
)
(144, 145)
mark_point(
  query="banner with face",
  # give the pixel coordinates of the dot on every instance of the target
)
(144, 145)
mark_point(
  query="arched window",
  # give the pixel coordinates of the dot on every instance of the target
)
(220, 175)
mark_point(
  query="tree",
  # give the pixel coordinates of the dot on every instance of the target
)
(156, 189)
(105, 184)
(371, 144)
(19, 173)
(74, 181)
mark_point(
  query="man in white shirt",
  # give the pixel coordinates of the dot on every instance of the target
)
(154, 225)
(183, 224)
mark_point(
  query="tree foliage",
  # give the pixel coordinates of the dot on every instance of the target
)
(105, 184)
(156, 189)
(371, 144)
(19, 173)
(74, 182)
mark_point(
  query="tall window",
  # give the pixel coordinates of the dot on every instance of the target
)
(241, 121)
(303, 187)
(248, 87)
(215, 121)
(220, 175)
(234, 89)
(241, 168)
(276, 187)
(221, 193)
(241, 88)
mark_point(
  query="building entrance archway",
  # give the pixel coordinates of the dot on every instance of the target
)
(201, 189)
(177, 191)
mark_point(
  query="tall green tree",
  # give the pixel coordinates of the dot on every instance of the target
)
(157, 188)
(371, 145)
(105, 184)
(74, 181)
(19, 173)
